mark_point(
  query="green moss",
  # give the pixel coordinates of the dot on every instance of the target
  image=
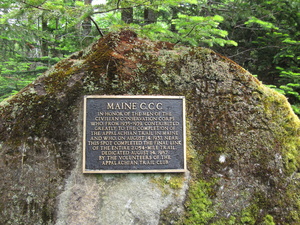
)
(283, 142)
(247, 216)
(174, 181)
(285, 125)
(169, 216)
(191, 154)
(228, 221)
(268, 220)
(199, 207)
(293, 199)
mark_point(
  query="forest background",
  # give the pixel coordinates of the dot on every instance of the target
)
(263, 36)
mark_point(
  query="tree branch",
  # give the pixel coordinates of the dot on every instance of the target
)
(115, 9)
(187, 33)
(37, 7)
(118, 4)
(251, 49)
(94, 22)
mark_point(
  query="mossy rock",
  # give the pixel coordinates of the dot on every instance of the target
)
(243, 142)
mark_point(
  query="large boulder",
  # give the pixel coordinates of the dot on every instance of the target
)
(242, 142)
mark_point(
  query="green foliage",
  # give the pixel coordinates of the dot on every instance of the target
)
(194, 30)
(190, 29)
(262, 36)
(267, 33)
(34, 36)
(261, 23)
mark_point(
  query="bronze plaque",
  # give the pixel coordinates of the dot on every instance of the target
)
(134, 134)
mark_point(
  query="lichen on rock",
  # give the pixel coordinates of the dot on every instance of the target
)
(243, 142)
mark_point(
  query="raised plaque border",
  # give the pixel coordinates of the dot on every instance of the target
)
(134, 97)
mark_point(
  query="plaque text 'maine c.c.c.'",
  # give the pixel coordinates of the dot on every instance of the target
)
(134, 134)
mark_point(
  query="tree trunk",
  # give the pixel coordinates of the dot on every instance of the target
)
(174, 16)
(87, 24)
(127, 15)
(149, 16)
(44, 43)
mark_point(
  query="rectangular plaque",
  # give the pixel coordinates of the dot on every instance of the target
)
(134, 134)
